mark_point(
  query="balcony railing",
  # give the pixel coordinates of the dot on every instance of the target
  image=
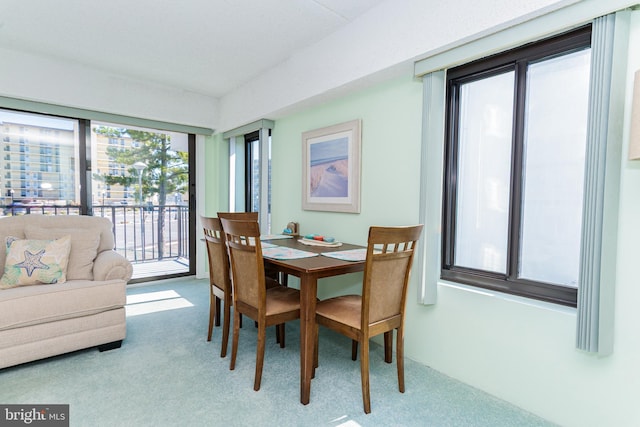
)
(142, 233)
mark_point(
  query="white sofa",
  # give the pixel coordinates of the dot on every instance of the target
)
(87, 310)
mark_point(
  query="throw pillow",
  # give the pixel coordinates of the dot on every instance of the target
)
(84, 248)
(34, 262)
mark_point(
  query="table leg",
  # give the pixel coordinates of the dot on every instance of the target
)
(308, 291)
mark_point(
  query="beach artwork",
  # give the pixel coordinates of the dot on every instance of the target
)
(331, 168)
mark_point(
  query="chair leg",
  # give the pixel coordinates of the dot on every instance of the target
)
(400, 358)
(234, 343)
(280, 335)
(212, 313)
(225, 328)
(354, 349)
(364, 373)
(260, 355)
(217, 311)
(388, 346)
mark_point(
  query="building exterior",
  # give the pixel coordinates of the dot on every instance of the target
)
(39, 164)
(104, 193)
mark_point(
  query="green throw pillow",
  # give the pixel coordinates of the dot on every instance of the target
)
(34, 262)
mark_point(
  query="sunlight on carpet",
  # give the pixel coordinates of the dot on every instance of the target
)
(349, 423)
(153, 302)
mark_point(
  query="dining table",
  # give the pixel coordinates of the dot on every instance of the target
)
(309, 262)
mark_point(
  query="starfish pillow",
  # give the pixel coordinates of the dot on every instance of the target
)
(34, 262)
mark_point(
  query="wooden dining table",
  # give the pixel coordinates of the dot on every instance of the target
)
(309, 270)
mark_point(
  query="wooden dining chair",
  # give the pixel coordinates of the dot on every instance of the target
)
(267, 306)
(219, 279)
(380, 308)
(239, 216)
(274, 278)
(281, 278)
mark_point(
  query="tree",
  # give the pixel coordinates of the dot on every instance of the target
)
(166, 172)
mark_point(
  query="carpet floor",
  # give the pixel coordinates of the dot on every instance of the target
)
(167, 374)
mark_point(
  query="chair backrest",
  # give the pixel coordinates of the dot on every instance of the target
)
(239, 216)
(247, 264)
(388, 266)
(217, 253)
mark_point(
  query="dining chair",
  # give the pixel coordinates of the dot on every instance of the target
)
(380, 308)
(273, 278)
(239, 216)
(267, 306)
(219, 278)
(281, 278)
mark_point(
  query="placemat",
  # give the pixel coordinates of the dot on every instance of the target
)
(274, 236)
(348, 255)
(281, 252)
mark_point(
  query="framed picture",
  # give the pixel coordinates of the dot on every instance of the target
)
(331, 168)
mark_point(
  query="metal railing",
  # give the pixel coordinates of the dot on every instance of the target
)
(142, 233)
(11, 210)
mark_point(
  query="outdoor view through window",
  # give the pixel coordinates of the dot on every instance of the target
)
(138, 178)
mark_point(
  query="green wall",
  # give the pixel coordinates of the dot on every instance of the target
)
(390, 188)
(391, 129)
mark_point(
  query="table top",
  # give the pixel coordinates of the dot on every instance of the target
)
(319, 266)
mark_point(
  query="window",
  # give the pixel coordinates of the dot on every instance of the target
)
(35, 155)
(250, 170)
(254, 164)
(514, 169)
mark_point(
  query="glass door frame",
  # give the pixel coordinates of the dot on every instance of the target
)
(83, 186)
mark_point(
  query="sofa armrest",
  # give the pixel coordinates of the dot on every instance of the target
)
(110, 265)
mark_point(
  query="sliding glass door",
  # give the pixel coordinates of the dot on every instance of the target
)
(40, 164)
(138, 178)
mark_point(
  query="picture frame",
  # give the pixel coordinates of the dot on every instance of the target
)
(331, 168)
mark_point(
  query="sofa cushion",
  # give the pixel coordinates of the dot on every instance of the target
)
(32, 305)
(84, 248)
(32, 262)
(10, 226)
(16, 226)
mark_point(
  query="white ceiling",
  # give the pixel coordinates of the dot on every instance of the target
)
(209, 47)
(220, 64)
